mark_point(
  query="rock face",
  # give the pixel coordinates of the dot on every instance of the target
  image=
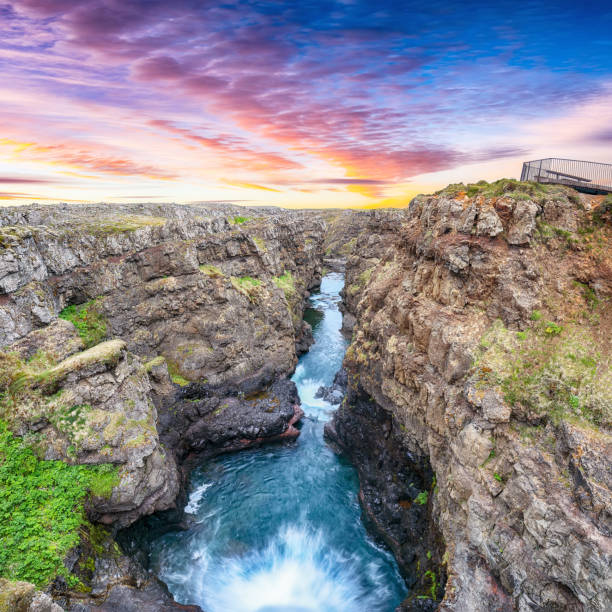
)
(479, 408)
(207, 289)
(137, 336)
(94, 407)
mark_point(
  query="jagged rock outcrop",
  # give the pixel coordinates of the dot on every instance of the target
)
(92, 407)
(479, 403)
(207, 288)
(135, 336)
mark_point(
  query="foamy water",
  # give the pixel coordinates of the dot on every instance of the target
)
(278, 529)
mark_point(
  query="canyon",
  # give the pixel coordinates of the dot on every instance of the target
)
(475, 397)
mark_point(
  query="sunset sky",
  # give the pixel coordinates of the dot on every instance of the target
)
(301, 103)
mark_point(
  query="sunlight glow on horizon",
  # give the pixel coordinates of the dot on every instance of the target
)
(273, 103)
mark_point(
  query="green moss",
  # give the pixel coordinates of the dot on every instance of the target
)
(347, 247)
(220, 409)
(211, 271)
(246, 285)
(260, 243)
(90, 324)
(421, 498)
(285, 282)
(556, 371)
(433, 589)
(365, 276)
(155, 362)
(42, 510)
(175, 374)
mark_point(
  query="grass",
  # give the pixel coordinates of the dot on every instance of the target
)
(89, 323)
(120, 224)
(30, 391)
(239, 220)
(555, 372)
(286, 282)
(42, 510)
(517, 190)
(246, 285)
(603, 212)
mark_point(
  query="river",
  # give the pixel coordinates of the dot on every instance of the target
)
(278, 529)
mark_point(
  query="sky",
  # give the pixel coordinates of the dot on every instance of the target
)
(305, 103)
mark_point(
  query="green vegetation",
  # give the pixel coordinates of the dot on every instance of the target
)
(365, 276)
(121, 223)
(421, 498)
(90, 324)
(558, 372)
(491, 454)
(497, 477)
(590, 297)
(433, 589)
(153, 363)
(246, 285)
(285, 282)
(220, 409)
(42, 510)
(517, 190)
(175, 374)
(239, 220)
(211, 271)
(603, 213)
(30, 391)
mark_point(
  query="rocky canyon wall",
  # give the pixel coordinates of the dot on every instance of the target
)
(479, 403)
(134, 336)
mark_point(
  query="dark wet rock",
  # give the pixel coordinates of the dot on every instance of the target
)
(222, 423)
(335, 392)
(391, 478)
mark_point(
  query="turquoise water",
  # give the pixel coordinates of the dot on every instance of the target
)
(278, 529)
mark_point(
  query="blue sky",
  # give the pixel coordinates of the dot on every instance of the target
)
(297, 104)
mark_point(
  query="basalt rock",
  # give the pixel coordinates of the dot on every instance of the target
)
(218, 292)
(188, 321)
(479, 411)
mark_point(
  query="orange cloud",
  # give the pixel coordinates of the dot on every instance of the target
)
(83, 157)
(250, 186)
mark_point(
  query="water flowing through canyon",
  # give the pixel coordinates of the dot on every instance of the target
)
(278, 528)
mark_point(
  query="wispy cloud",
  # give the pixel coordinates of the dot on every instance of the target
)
(286, 95)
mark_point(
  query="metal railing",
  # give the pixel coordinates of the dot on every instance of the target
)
(585, 176)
